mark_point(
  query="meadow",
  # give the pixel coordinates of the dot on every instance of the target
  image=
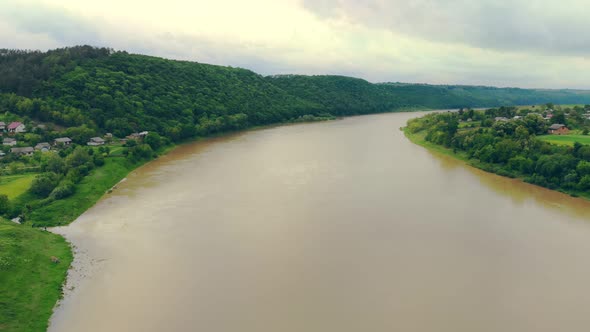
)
(565, 139)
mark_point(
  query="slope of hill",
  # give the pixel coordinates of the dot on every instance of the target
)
(121, 93)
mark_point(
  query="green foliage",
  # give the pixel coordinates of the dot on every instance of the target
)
(65, 189)
(96, 90)
(4, 204)
(30, 283)
(44, 183)
(78, 158)
(508, 148)
(54, 163)
(154, 140)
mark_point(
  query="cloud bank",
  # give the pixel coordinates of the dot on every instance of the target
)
(501, 43)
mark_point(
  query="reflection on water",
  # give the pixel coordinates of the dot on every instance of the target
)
(335, 226)
(521, 192)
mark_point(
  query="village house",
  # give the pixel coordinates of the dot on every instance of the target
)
(16, 127)
(2, 154)
(26, 151)
(558, 129)
(62, 140)
(43, 147)
(95, 141)
(9, 141)
(138, 136)
(500, 118)
(2, 126)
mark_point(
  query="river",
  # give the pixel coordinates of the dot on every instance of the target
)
(334, 226)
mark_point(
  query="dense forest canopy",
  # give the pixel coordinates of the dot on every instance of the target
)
(111, 91)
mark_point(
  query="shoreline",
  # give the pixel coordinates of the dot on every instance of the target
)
(462, 157)
(83, 263)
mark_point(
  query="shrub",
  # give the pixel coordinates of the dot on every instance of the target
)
(65, 189)
(43, 184)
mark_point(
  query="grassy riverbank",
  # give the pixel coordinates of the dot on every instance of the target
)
(573, 182)
(88, 192)
(30, 283)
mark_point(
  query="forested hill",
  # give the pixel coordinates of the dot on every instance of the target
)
(117, 92)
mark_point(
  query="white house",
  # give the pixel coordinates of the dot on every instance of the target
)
(62, 140)
(17, 127)
(94, 141)
(43, 147)
(9, 141)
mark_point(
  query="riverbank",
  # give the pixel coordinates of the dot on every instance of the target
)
(418, 138)
(31, 279)
(312, 202)
(61, 213)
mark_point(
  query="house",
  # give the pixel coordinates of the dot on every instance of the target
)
(2, 125)
(9, 141)
(26, 151)
(62, 140)
(133, 136)
(108, 135)
(558, 129)
(43, 147)
(501, 118)
(2, 154)
(94, 141)
(138, 136)
(16, 127)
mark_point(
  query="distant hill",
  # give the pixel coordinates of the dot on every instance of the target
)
(118, 92)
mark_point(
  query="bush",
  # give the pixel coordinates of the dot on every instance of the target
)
(98, 160)
(4, 204)
(44, 184)
(74, 175)
(65, 189)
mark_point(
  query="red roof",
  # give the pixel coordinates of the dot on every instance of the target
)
(14, 125)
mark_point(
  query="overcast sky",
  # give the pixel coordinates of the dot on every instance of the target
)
(524, 43)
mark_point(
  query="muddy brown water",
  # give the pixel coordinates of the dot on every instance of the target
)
(333, 226)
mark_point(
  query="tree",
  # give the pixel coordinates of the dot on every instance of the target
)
(583, 168)
(584, 183)
(44, 183)
(65, 189)
(55, 164)
(154, 140)
(77, 158)
(4, 204)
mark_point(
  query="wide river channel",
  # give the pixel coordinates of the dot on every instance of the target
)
(326, 227)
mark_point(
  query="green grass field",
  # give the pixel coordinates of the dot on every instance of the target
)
(30, 283)
(565, 139)
(88, 192)
(15, 185)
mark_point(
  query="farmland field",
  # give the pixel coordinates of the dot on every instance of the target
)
(565, 139)
(15, 185)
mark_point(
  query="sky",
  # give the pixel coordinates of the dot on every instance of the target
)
(507, 43)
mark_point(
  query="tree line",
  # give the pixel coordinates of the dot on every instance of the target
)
(509, 146)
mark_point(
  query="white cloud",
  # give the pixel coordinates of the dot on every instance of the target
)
(271, 36)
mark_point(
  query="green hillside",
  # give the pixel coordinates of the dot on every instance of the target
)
(122, 93)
